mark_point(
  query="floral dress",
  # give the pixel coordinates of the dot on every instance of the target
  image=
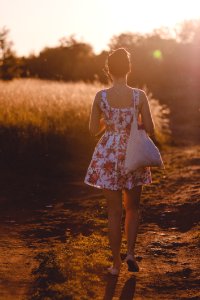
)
(106, 169)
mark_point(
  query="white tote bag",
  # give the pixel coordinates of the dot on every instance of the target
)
(141, 150)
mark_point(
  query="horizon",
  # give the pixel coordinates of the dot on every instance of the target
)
(74, 17)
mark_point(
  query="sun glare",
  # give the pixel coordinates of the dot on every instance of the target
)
(94, 21)
(146, 15)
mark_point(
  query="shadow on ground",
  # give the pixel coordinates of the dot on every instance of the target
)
(54, 237)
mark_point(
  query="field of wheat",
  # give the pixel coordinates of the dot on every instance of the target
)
(49, 120)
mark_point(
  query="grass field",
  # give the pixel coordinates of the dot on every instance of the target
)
(46, 122)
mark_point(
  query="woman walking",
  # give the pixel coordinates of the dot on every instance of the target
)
(112, 111)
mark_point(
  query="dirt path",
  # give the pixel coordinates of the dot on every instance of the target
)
(58, 249)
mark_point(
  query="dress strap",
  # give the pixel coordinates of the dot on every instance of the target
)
(136, 99)
(103, 93)
(103, 96)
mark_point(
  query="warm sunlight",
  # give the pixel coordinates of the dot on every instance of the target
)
(99, 149)
(147, 15)
(95, 22)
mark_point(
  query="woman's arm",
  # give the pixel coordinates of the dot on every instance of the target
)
(96, 123)
(147, 119)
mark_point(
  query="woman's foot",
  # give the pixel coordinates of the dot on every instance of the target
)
(115, 268)
(113, 271)
(131, 262)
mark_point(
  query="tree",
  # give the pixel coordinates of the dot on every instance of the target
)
(71, 60)
(8, 61)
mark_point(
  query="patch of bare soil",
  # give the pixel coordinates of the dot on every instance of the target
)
(56, 246)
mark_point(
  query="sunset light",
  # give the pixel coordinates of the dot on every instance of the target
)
(36, 24)
(99, 149)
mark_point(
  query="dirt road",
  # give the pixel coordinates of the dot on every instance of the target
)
(58, 248)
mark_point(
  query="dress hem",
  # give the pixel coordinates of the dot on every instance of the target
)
(102, 187)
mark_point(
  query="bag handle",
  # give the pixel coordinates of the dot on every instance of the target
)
(136, 95)
(136, 98)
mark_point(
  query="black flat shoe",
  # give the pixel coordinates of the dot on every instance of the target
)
(132, 264)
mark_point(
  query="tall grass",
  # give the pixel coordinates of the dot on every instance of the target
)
(160, 114)
(47, 121)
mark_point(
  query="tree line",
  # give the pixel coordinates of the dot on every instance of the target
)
(160, 61)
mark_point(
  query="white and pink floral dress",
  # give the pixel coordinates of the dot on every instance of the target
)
(106, 169)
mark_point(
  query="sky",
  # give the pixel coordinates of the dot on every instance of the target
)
(35, 24)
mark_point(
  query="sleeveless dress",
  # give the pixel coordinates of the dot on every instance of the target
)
(106, 169)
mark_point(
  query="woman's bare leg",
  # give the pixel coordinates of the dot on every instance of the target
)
(131, 204)
(114, 202)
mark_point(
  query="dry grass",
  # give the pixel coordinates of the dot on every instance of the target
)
(160, 115)
(49, 105)
(49, 117)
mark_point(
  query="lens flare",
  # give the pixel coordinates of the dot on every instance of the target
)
(157, 54)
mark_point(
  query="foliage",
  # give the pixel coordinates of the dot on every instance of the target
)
(8, 60)
(167, 62)
(70, 61)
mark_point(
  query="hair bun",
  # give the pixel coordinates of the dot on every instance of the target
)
(118, 62)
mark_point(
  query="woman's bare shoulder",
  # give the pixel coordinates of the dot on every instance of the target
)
(98, 96)
(99, 93)
(143, 96)
(142, 92)
(136, 89)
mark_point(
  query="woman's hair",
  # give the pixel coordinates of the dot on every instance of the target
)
(118, 62)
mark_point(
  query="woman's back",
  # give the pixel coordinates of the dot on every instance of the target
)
(117, 118)
(122, 99)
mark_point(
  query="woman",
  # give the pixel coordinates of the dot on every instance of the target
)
(112, 111)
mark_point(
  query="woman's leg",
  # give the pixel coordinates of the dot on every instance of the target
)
(131, 204)
(114, 204)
